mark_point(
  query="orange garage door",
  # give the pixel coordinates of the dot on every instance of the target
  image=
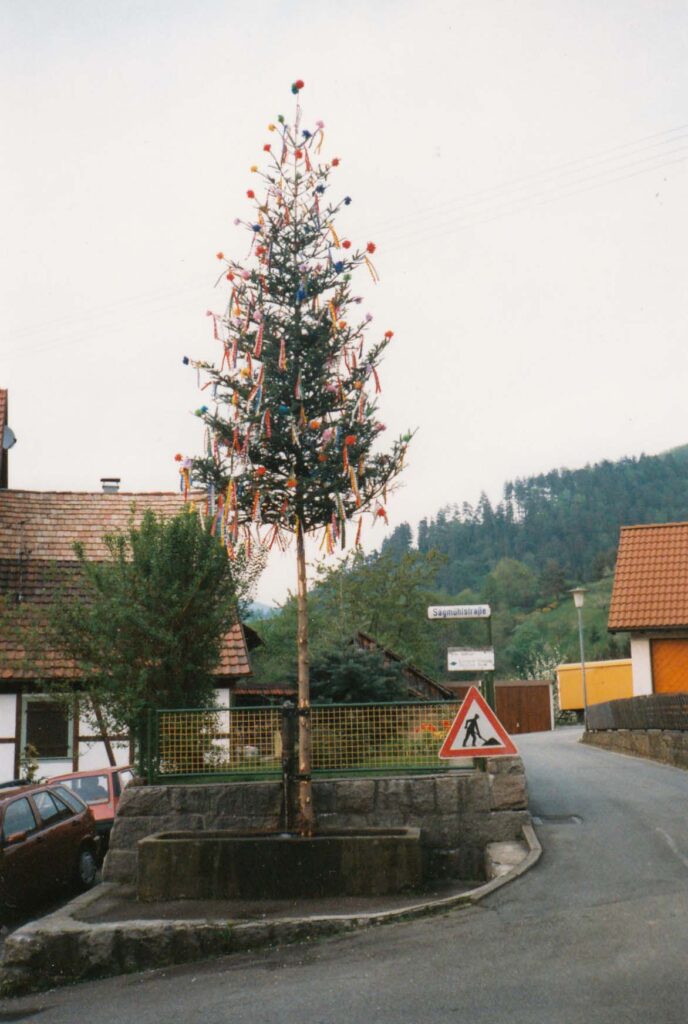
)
(670, 666)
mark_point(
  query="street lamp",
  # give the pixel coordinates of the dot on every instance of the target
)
(579, 600)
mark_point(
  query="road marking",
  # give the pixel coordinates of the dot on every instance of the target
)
(673, 847)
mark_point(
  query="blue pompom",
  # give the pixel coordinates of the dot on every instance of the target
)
(185, 360)
(347, 200)
(339, 266)
(320, 189)
(256, 227)
(306, 134)
(283, 409)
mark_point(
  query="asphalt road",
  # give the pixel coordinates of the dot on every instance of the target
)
(596, 932)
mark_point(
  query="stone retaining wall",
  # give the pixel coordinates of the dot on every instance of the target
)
(458, 812)
(667, 745)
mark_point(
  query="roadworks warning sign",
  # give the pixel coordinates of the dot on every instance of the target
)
(476, 731)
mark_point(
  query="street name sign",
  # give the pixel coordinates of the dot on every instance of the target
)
(476, 732)
(470, 659)
(459, 611)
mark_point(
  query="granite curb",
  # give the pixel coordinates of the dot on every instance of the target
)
(61, 949)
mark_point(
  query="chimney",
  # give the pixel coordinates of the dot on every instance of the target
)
(110, 484)
(7, 439)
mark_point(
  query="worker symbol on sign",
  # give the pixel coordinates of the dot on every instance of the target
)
(476, 731)
(472, 730)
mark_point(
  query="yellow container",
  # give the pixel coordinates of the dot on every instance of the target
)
(604, 680)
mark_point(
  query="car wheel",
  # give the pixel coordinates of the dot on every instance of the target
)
(87, 868)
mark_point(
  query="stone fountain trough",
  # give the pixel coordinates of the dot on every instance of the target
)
(207, 865)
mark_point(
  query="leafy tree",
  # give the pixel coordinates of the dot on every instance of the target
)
(376, 594)
(532, 654)
(511, 584)
(148, 625)
(349, 675)
(293, 429)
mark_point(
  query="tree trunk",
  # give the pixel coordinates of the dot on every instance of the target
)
(305, 817)
(103, 732)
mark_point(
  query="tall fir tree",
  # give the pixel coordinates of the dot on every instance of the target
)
(292, 422)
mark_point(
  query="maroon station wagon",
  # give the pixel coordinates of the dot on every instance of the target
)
(47, 841)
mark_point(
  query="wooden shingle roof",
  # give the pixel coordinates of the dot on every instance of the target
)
(38, 530)
(651, 579)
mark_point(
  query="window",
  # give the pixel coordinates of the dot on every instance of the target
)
(93, 789)
(18, 818)
(47, 727)
(50, 808)
(125, 777)
(75, 802)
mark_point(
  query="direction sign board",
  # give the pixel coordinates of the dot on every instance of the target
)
(476, 731)
(459, 611)
(470, 659)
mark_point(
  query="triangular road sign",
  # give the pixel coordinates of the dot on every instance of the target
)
(476, 731)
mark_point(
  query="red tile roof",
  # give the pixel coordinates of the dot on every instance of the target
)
(37, 533)
(651, 579)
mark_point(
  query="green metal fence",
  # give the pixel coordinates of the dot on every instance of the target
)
(257, 742)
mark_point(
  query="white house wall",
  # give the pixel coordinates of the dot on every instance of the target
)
(642, 666)
(8, 725)
(92, 752)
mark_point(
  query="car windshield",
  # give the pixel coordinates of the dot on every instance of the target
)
(93, 789)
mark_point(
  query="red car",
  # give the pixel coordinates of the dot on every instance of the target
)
(47, 840)
(101, 790)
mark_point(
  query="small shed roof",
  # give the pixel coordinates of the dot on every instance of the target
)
(651, 579)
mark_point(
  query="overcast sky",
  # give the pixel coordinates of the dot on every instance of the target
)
(520, 165)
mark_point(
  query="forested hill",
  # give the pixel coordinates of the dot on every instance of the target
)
(565, 520)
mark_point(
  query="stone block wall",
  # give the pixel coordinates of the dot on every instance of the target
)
(459, 813)
(670, 746)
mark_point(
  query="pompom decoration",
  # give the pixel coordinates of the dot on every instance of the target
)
(251, 194)
(178, 457)
(346, 244)
(336, 162)
(371, 247)
(185, 360)
(297, 86)
(389, 334)
(266, 147)
(219, 255)
(347, 200)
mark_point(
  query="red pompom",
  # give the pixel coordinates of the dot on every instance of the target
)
(389, 334)
(266, 147)
(346, 244)
(335, 162)
(350, 439)
(251, 194)
(371, 246)
(298, 154)
(220, 255)
(178, 457)
(299, 83)
(230, 276)
(260, 471)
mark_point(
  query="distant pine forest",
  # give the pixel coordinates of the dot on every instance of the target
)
(568, 517)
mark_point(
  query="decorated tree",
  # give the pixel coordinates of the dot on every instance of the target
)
(291, 416)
